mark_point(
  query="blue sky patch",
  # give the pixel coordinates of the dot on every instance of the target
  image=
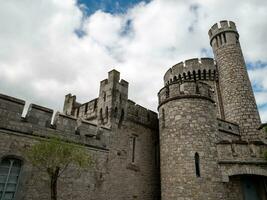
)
(109, 6)
(206, 52)
(256, 65)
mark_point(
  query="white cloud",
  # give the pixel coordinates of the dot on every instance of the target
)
(263, 114)
(41, 59)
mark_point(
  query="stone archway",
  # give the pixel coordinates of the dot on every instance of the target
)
(249, 180)
(242, 170)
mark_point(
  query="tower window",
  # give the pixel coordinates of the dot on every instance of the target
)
(133, 148)
(106, 112)
(121, 118)
(86, 108)
(104, 96)
(197, 89)
(78, 112)
(95, 104)
(163, 118)
(101, 115)
(167, 92)
(9, 176)
(197, 165)
(220, 37)
(116, 112)
(224, 38)
(216, 41)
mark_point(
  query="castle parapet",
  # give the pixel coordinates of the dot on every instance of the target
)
(141, 115)
(222, 26)
(38, 122)
(193, 69)
(10, 107)
(187, 89)
(39, 115)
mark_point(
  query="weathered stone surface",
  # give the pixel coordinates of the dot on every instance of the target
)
(203, 146)
(208, 107)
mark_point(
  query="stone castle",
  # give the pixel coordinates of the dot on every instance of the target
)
(206, 143)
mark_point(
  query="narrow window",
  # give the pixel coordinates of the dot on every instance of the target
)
(104, 96)
(184, 76)
(116, 112)
(204, 74)
(106, 113)
(197, 165)
(224, 38)
(220, 37)
(121, 118)
(216, 40)
(9, 176)
(197, 89)
(167, 92)
(78, 112)
(209, 74)
(163, 118)
(199, 74)
(86, 108)
(180, 77)
(95, 104)
(189, 75)
(133, 148)
(101, 115)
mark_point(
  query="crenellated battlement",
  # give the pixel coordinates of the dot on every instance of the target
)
(192, 69)
(114, 78)
(141, 115)
(222, 26)
(187, 89)
(223, 33)
(38, 122)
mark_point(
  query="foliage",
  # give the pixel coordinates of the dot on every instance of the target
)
(54, 156)
(57, 153)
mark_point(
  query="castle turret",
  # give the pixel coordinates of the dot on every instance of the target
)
(69, 104)
(113, 95)
(188, 153)
(238, 100)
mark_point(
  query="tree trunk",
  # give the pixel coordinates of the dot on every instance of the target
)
(53, 184)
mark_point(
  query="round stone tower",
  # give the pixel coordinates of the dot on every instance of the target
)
(188, 128)
(238, 100)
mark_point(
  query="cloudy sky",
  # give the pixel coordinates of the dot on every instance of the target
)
(49, 48)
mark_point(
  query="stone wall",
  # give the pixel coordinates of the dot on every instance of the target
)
(238, 100)
(133, 168)
(34, 184)
(188, 128)
(111, 150)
